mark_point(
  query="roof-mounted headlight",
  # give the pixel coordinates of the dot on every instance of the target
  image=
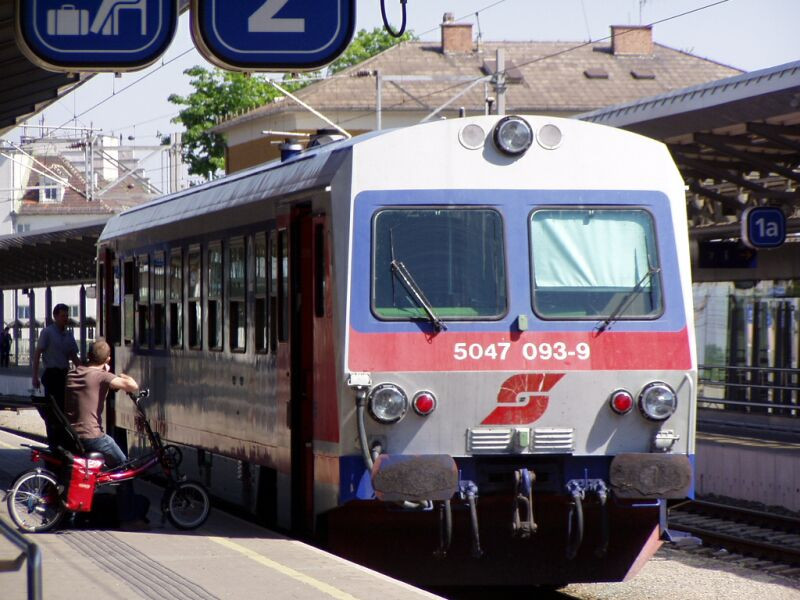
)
(512, 135)
(387, 403)
(658, 401)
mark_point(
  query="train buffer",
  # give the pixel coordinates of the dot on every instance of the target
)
(226, 558)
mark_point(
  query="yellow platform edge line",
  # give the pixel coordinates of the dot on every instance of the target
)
(283, 569)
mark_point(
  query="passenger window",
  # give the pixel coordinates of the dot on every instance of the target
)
(129, 289)
(143, 302)
(159, 288)
(237, 262)
(261, 320)
(273, 290)
(113, 328)
(283, 285)
(215, 296)
(195, 308)
(176, 299)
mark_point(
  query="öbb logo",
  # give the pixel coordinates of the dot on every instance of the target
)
(521, 399)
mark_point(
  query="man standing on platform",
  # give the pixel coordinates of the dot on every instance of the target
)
(57, 347)
(5, 348)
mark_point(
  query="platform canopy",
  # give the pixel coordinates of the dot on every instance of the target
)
(50, 257)
(736, 142)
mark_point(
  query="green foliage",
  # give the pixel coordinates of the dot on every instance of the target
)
(218, 94)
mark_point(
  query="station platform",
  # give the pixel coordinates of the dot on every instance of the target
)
(227, 558)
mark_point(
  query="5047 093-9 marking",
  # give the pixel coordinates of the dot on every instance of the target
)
(530, 351)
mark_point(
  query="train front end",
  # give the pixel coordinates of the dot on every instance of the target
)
(519, 381)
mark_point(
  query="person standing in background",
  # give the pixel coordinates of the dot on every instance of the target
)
(5, 348)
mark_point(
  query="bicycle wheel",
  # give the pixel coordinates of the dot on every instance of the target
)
(186, 504)
(34, 502)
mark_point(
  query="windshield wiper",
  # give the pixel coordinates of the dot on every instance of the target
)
(625, 301)
(412, 287)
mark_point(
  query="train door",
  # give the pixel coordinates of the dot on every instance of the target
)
(301, 268)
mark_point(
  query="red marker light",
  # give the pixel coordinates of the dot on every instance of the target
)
(424, 403)
(621, 402)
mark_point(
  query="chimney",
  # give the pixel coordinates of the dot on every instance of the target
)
(636, 40)
(456, 37)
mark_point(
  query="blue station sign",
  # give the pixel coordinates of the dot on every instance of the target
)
(763, 227)
(95, 35)
(272, 35)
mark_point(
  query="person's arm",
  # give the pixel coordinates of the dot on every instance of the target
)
(125, 383)
(73, 355)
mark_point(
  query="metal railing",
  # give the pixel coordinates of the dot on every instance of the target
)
(755, 390)
(30, 555)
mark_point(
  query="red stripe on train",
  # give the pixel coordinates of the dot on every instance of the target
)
(525, 351)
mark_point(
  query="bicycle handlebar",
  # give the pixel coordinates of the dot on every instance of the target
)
(143, 393)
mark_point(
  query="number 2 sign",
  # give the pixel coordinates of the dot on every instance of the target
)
(272, 35)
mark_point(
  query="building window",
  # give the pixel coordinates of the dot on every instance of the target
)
(215, 296)
(49, 190)
(236, 294)
(23, 227)
(23, 313)
(143, 302)
(159, 289)
(176, 299)
(195, 305)
(261, 291)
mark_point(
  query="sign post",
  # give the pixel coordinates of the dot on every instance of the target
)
(763, 227)
(95, 35)
(272, 35)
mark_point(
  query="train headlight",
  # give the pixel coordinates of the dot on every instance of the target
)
(513, 135)
(658, 401)
(387, 403)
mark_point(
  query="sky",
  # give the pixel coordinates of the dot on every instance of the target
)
(746, 34)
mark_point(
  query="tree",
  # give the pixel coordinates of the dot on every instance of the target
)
(218, 94)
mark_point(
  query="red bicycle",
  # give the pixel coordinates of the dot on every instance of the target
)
(40, 497)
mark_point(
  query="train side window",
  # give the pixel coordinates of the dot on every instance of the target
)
(273, 290)
(283, 285)
(159, 285)
(176, 299)
(102, 298)
(129, 290)
(237, 263)
(320, 281)
(215, 296)
(195, 308)
(143, 301)
(113, 328)
(261, 331)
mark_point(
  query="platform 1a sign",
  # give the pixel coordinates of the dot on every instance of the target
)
(95, 35)
(272, 35)
(763, 227)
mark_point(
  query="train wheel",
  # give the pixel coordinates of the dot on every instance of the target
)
(186, 504)
(34, 501)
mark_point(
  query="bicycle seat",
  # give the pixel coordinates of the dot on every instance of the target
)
(95, 456)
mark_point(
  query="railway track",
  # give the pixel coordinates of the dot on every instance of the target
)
(761, 540)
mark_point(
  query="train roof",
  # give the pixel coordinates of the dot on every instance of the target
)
(312, 169)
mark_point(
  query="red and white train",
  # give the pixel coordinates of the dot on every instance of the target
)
(460, 352)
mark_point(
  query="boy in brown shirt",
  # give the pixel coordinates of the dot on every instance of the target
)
(86, 391)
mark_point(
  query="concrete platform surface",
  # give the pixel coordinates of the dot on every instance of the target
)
(227, 558)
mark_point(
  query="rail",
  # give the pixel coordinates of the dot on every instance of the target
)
(29, 554)
(753, 390)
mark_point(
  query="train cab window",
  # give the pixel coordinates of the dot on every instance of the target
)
(594, 263)
(129, 289)
(283, 285)
(159, 291)
(195, 304)
(260, 289)
(451, 259)
(237, 328)
(176, 299)
(273, 290)
(215, 296)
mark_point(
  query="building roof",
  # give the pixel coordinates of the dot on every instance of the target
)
(546, 77)
(125, 195)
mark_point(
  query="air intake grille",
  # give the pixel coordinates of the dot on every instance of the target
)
(489, 439)
(553, 439)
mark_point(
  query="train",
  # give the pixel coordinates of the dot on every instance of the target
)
(461, 352)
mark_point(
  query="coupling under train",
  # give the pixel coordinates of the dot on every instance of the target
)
(460, 352)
